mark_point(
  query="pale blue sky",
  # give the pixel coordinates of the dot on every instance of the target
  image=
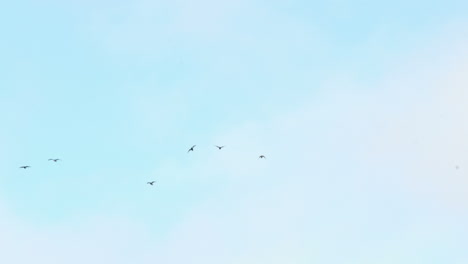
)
(359, 106)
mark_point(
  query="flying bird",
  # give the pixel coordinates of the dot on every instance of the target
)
(25, 167)
(262, 157)
(151, 182)
(219, 147)
(54, 160)
(191, 149)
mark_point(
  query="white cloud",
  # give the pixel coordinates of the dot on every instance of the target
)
(350, 177)
(171, 28)
(354, 175)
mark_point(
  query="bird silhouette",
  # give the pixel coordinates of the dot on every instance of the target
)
(151, 182)
(262, 157)
(191, 149)
(25, 167)
(54, 160)
(219, 147)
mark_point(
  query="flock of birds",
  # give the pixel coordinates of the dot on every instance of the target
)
(151, 182)
(25, 167)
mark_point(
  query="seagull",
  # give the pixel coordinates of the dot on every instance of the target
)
(262, 157)
(191, 149)
(151, 182)
(24, 167)
(219, 147)
(54, 160)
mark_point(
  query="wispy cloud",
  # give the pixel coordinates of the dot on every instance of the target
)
(356, 171)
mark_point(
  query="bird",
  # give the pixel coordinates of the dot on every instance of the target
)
(24, 167)
(151, 182)
(54, 160)
(262, 157)
(191, 149)
(219, 147)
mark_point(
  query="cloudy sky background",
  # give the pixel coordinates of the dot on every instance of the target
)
(360, 107)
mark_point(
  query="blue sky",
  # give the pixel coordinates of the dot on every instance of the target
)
(359, 106)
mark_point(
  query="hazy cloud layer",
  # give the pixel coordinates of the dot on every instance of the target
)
(360, 109)
(363, 175)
